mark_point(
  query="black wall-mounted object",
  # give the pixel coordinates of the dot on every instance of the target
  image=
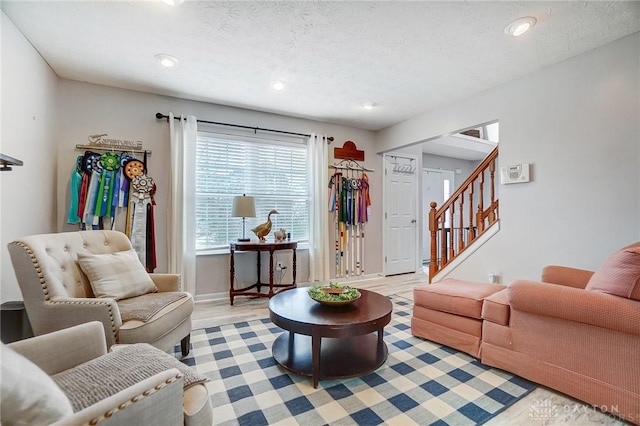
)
(6, 162)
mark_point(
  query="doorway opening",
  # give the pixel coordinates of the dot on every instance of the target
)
(437, 185)
(444, 163)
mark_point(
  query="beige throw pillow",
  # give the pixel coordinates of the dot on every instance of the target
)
(116, 275)
(28, 395)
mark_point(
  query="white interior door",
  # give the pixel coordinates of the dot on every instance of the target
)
(400, 217)
(437, 186)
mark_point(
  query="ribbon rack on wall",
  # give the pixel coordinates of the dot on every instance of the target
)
(350, 204)
(110, 180)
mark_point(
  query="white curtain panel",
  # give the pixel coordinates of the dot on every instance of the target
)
(181, 233)
(318, 209)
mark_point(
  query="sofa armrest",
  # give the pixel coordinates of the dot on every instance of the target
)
(563, 275)
(156, 401)
(67, 312)
(572, 304)
(166, 282)
(64, 349)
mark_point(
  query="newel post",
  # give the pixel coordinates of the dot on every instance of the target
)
(432, 230)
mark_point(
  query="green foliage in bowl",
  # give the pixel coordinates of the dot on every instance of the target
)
(334, 293)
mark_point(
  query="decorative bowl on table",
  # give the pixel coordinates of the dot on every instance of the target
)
(334, 294)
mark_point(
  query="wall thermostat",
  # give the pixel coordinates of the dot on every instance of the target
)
(518, 173)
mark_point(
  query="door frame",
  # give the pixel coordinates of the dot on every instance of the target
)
(417, 248)
(425, 208)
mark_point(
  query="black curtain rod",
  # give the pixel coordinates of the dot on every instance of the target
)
(161, 116)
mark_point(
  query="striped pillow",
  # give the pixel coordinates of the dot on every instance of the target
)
(619, 274)
(117, 275)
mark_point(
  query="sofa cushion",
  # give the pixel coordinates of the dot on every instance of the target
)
(455, 296)
(167, 318)
(144, 307)
(28, 395)
(496, 308)
(463, 324)
(118, 275)
(619, 274)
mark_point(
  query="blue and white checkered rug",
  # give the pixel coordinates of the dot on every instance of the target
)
(420, 383)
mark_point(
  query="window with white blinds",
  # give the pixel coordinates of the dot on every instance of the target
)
(273, 172)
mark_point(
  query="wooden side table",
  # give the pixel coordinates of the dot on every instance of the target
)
(260, 247)
(14, 322)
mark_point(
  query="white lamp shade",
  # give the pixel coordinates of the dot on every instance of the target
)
(243, 206)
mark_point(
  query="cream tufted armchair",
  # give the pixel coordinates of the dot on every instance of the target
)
(67, 378)
(57, 294)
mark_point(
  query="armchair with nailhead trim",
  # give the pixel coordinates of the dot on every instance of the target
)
(57, 294)
(67, 377)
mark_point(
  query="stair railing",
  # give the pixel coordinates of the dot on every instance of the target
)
(455, 225)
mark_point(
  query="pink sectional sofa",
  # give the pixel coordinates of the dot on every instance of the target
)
(576, 331)
(450, 312)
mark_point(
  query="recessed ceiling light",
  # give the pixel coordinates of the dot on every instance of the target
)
(166, 60)
(173, 2)
(369, 105)
(278, 84)
(520, 26)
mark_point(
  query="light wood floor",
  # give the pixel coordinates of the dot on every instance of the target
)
(559, 408)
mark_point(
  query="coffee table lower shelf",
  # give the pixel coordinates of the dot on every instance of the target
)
(340, 358)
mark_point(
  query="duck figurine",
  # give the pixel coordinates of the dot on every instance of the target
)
(263, 229)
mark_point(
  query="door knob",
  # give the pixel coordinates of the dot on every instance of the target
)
(413, 221)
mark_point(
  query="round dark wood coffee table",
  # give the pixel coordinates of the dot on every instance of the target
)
(349, 348)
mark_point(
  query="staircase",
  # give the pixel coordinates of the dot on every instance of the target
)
(463, 219)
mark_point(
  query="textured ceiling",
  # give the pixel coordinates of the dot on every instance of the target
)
(408, 57)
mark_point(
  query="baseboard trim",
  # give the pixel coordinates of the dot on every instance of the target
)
(211, 297)
(358, 278)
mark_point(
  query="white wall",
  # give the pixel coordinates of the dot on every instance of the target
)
(125, 114)
(43, 118)
(430, 161)
(28, 193)
(577, 123)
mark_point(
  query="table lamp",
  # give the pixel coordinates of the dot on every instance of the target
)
(243, 206)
